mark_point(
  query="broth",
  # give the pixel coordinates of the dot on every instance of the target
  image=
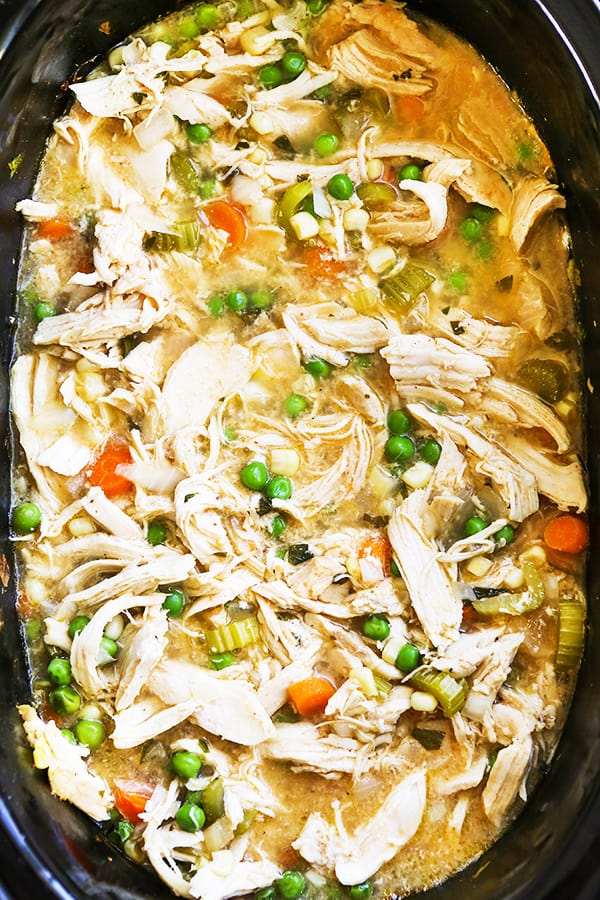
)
(299, 499)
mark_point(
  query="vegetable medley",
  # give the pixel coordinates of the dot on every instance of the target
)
(298, 498)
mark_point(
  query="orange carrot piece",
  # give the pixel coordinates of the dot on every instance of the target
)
(227, 217)
(410, 107)
(103, 472)
(54, 229)
(131, 797)
(380, 549)
(321, 263)
(567, 534)
(311, 695)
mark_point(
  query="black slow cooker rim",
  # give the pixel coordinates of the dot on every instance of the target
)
(572, 23)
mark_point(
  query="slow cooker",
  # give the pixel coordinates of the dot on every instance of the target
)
(548, 52)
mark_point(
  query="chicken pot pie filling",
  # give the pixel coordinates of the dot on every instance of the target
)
(298, 500)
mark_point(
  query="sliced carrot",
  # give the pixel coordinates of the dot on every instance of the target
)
(469, 614)
(321, 262)
(103, 472)
(380, 549)
(567, 534)
(131, 797)
(311, 695)
(54, 229)
(409, 107)
(226, 217)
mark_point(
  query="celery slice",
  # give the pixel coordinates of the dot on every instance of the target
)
(571, 634)
(448, 691)
(291, 200)
(382, 684)
(233, 636)
(404, 287)
(185, 237)
(213, 800)
(507, 604)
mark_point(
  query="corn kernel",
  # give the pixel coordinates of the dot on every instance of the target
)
(366, 681)
(564, 408)
(382, 483)
(353, 567)
(80, 526)
(535, 555)
(423, 702)
(261, 122)
(84, 365)
(381, 259)
(392, 648)
(304, 225)
(257, 40)
(356, 219)
(91, 386)
(514, 579)
(258, 156)
(418, 476)
(90, 711)
(374, 169)
(503, 226)
(479, 566)
(35, 591)
(284, 461)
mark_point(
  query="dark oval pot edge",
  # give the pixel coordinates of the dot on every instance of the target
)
(569, 861)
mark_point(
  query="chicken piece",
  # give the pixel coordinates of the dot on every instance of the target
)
(464, 656)
(430, 583)
(141, 652)
(273, 694)
(355, 858)
(369, 714)
(161, 841)
(389, 53)
(417, 360)
(488, 339)
(353, 643)
(464, 781)
(516, 485)
(532, 198)
(147, 718)
(223, 591)
(504, 724)
(284, 95)
(205, 374)
(86, 644)
(36, 211)
(192, 103)
(288, 639)
(505, 779)
(245, 876)
(446, 489)
(66, 456)
(515, 405)
(331, 330)
(199, 505)
(152, 358)
(69, 776)
(494, 669)
(561, 482)
(214, 698)
(110, 516)
(362, 398)
(312, 578)
(309, 750)
(487, 129)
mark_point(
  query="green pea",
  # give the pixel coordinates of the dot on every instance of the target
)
(174, 603)
(77, 625)
(279, 488)
(291, 885)
(363, 361)
(293, 63)
(157, 533)
(124, 830)
(270, 76)
(481, 213)
(26, 517)
(398, 421)
(186, 764)
(376, 627)
(254, 476)
(431, 451)
(295, 405)
(59, 671)
(68, 735)
(361, 891)
(278, 527)
(188, 28)
(260, 300)
(216, 306)
(107, 652)
(34, 629)
(399, 448)
(474, 525)
(236, 301)
(190, 817)
(505, 536)
(89, 732)
(199, 133)
(221, 660)
(317, 367)
(470, 228)
(410, 172)
(408, 658)
(485, 250)
(207, 16)
(43, 311)
(267, 893)
(64, 700)
(458, 281)
(326, 143)
(340, 186)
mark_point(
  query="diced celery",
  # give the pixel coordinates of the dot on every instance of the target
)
(571, 634)
(403, 288)
(233, 636)
(450, 692)
(507, 604)
(213, 800)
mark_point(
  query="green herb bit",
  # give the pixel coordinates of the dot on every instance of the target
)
(429, 738)
(14, 164)
(299, 553)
